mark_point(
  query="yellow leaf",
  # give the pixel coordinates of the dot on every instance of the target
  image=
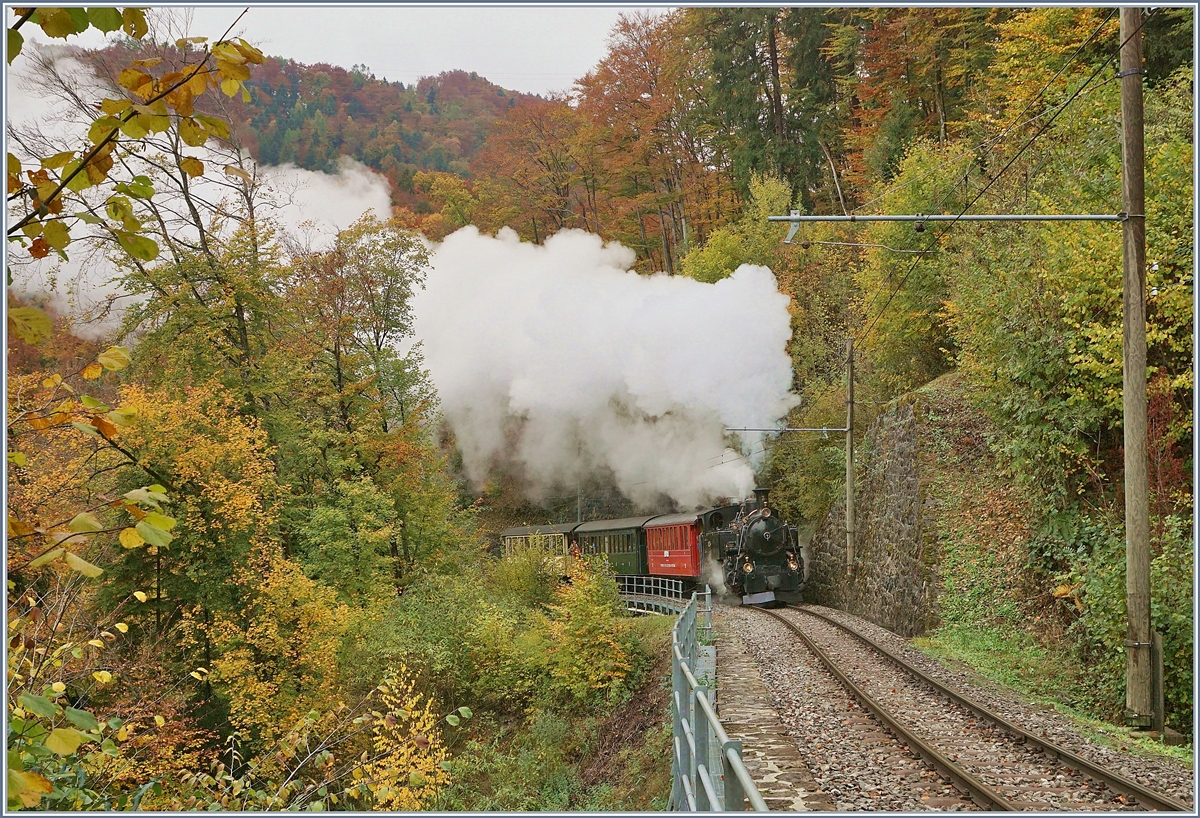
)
(83, 566)
(58, 160)
(28, 785)
(58, 687)
(192, 133)
(191, 166)
(114, 358)
(29, 324)
(122, 627)
(182, 100)
(64, 740)
(105, 426)
(233, 170)
(134, 20)
(92, 371)
(233, 71)
(56, 234)
(133, 78)
(230, 87)
(197, 84)
(129, 538)
(226, 51)
(141, 596)
(96, 643)
(114, 106)
(160, 721)
(102, 676)
(49, 556)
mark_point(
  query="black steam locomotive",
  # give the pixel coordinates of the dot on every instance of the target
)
(744, 546)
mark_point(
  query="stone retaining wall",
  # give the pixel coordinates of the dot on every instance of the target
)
(892, 586)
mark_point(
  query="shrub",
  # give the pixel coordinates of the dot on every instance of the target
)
(590, 649)
(1101, 627)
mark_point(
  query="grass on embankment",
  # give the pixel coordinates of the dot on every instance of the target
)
(998, 618)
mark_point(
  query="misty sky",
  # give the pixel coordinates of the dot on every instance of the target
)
(536, 49)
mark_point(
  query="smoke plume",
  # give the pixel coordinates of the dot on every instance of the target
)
(560, 360)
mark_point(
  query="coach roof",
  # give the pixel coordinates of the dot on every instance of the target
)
(673, 519)
(613, 525)
(524, 531)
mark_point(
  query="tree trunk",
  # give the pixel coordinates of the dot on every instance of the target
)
(776, 94)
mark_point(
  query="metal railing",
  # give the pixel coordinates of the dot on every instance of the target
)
(700, 744)
(651, 594)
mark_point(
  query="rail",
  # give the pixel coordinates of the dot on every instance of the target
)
(651, 594)
(700, 744)
(1147, 797)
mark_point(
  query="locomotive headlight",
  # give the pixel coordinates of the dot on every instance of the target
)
(792, 566)
(748, 568)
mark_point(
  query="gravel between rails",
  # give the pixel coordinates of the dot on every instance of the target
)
(855, 762)
(1167, 775)
(1027, 778)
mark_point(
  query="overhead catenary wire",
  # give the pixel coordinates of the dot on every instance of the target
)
(1053, 115)
(936, 237)
(988, 144)
(1045, 88)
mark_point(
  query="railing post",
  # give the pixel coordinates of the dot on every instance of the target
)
(735, 796)
(700, 731)
(678, 683)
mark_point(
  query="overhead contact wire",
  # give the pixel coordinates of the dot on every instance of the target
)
(988, 144)
(936, 237)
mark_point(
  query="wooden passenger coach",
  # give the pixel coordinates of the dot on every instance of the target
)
(551, 539)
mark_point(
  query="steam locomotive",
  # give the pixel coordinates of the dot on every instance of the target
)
(745, 546)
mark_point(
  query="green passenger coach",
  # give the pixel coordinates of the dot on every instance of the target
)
(622, 542)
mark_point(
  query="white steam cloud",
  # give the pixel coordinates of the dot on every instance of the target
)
(331, 202)
(560, 359)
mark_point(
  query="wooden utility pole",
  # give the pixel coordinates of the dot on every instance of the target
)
(1138, 704)
(850, 456)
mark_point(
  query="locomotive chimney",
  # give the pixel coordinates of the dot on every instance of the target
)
(760, 497)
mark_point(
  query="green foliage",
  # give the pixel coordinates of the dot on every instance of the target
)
(904, 291)
(1002, 654)
(590, 650)
(350, 540)
(1036, 311)
(56, 755)
(528, 577)
(752, 240)
(770, 96)
(1099, 579)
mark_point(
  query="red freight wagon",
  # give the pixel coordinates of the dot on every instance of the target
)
(672, 547)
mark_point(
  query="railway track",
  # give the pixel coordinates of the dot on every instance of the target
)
(996, 764)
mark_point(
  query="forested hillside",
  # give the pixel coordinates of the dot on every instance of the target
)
(244, 567)
(310, 115)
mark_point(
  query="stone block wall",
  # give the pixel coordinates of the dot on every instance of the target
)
(892, 586)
